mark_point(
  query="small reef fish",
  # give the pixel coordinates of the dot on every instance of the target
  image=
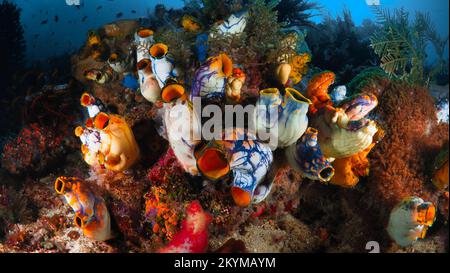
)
(99, 8)
(118, 15)
(44, 22)
(84, 18)
(133, 11)
(56, 18)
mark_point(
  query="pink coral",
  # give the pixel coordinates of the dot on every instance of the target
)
(166, 169)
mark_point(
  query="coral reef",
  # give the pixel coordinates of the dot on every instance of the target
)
(299, 65)
(165, 198)
(337, 44)
(373, 139)
(440, 166)
(35, 149)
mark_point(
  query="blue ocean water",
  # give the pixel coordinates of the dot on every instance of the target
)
(68, 32)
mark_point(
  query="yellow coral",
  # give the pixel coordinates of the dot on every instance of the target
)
(299, 66)
(189, 23)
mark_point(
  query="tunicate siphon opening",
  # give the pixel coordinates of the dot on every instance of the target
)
(172, 92)
(213, 164)
(158, 50)
(227, 64)
(312, 130)
(326, 173)
(101, 121)
(59, 185)
(241, 197)
(143, 64)
(426, 214)
(297, 96)
(79, 131)
(85, 99)
(145, 32)
(78, 221)
(268, 91)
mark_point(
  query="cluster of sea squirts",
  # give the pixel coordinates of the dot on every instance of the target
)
(325, 136)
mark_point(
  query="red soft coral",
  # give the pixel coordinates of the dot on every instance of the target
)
(193, 236)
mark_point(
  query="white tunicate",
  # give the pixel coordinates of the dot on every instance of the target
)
(93, 110)
(442, 112)
(338, 94)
